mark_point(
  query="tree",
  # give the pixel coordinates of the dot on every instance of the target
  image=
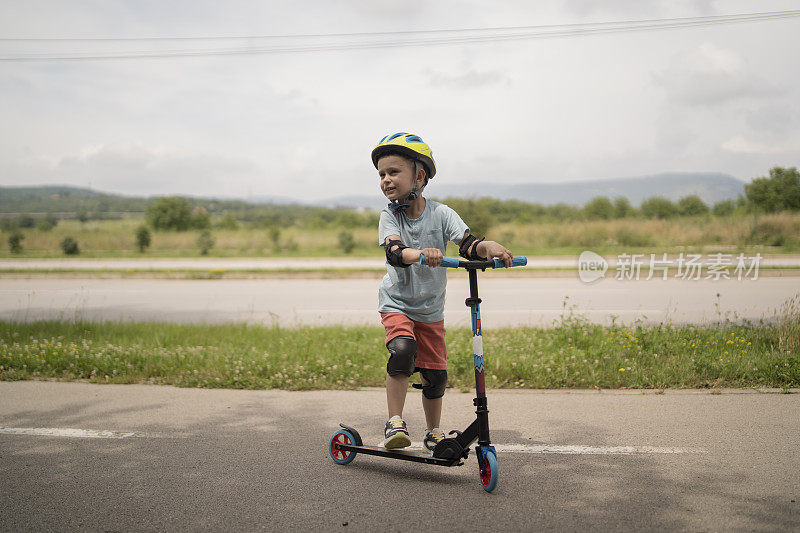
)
(563, 212)
(44, 225)
(599, 207)
(200, 218)
(205, 242)
(723, 208)
(690, 206)
(227, 222)
(474, 213)
(82, 215)
(170, 213)
(70, 246)
(25, 221)
(142, 238)
(779, 192)
(622, 207)
(658, 207)
(15, 242)
(9, 224)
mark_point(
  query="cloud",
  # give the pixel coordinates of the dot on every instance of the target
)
(742, 145)
(630, 8)
(133, 168)
(711, 76)
(465, 79)
(775, 119)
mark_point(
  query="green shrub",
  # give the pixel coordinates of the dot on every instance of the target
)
(25, 221)
(200, 218)
(723, 208)
(562, 212)
(9, 224)
(171, 213)
(228, 222)
(690, 206)
(70, 246)
(142, 238)
(44, 225)
(275, 235)
(205, 242)
(622, 207)
(15, 242)
(599, 207)
(475, 213)
(346, 242)
(768, 233)
(658, 207)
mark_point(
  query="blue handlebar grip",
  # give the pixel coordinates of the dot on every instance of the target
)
(451, 262)
(517, 261)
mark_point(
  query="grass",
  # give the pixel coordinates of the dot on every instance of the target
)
(572, 354)
(775, 233)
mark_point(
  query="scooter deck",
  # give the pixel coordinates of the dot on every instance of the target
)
(399, 454)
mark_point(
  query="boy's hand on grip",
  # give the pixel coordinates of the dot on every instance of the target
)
(433, 256)
(493, 249)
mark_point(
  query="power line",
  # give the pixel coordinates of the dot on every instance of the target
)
(791, 13)
(372, 40)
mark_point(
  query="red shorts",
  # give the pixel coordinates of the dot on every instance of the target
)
(431, 349)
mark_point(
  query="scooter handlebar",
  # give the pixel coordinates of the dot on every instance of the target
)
(452, 262)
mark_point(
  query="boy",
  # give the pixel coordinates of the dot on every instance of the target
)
(411, 296)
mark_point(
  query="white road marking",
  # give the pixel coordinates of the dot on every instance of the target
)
(592, 450)
(76, 433)
(579, 449)
(573, 449)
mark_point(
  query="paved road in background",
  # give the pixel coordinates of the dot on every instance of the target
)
(190, 459)
(293, 301)
(241, 263)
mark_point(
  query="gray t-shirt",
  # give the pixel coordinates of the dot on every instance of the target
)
(418, 291)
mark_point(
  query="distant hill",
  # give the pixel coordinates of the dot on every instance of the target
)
(65, 199)
(710, 187)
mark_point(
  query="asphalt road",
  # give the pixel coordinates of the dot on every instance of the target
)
(293, 301)
(189, 459)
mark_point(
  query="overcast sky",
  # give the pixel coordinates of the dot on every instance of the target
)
(712, 99)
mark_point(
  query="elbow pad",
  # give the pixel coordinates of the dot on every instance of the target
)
(463, 248)
(394, 253)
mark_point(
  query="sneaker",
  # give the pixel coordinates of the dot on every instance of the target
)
(432, 438)
(396, 434)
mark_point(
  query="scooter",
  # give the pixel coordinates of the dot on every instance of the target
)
(346, 443)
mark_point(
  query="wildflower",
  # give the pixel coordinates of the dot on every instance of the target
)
(622, 370)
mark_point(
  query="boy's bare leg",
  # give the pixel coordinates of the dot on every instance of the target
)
(433, 411)
(396, 388)
(432, 408)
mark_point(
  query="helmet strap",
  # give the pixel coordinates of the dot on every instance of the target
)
(413, 195)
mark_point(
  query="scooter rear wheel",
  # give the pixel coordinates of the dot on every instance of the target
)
(342, 457)
(490, 475)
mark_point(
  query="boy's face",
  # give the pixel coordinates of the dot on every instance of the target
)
(396, 176)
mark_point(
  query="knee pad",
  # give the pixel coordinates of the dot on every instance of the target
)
(437, 381)
(402, 354)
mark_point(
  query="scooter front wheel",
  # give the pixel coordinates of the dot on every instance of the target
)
(491, 472)
(342, 457)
